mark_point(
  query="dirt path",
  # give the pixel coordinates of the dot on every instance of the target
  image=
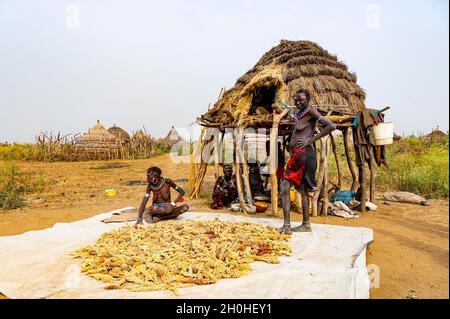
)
(410, 246)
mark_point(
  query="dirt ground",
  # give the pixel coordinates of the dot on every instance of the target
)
(410, 246)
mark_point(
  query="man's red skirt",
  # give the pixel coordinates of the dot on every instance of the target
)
(296, 166)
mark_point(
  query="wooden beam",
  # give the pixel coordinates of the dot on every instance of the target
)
(217, 153)
(241, 159)
(351, 165)
(336, 157)
(325, 178)
(362, 187)
(273, 159)
(315, 199)
(372, 168)
(237, 172)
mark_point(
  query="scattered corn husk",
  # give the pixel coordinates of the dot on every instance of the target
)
(175, 254)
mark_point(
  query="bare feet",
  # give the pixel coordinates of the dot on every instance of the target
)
(286, 229)
(155, 219)
(174, 214)
(184, 208)
(148, 217)
(303, 228)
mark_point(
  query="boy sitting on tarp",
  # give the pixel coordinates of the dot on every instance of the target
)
(162, 207)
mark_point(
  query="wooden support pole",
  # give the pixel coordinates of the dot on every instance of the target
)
(191, 167)
(241, 159)
(336, 157)
(345, 133)
(237, 171)
(362, 187)
(217, 152)
(273, 159)
(325, 199)
(320, 177)
(273, 170)
(372, 168)
(202, 167)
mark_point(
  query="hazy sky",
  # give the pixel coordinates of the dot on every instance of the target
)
(65, 64)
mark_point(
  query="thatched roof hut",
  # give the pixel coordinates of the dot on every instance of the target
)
(97, 143)
(260, 99)
(171, 138)
(436, 136)
(280, 72)
(119, 133)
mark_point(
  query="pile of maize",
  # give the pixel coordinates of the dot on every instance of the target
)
(175, 254)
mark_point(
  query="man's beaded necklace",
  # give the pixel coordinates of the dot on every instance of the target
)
(302, 113)
(157, 188)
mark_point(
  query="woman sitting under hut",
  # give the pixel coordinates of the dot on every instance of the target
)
(225, 189)
(162, 206)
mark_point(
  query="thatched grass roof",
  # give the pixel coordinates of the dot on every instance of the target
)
(96, 143)
(119, 133)
(171, 138)
(172, 135)
(97, 133)
(436, 136)
(280, 72)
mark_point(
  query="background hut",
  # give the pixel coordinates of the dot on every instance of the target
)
(171, 138)
(259, 99)
(436, 136)
(97, 143)
(120, 134)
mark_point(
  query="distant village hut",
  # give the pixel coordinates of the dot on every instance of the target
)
(171, 138)
(96, 144)
(120, 134)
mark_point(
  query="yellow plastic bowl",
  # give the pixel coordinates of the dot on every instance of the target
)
(111, 192)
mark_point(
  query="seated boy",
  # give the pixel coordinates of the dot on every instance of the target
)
(162, 206)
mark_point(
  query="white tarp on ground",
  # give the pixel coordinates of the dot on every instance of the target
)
(330, 262)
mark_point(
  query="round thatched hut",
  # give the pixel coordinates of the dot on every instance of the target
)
(436, 136)
(97, 143)
(119, 133)
(260, 100)
(171, 138)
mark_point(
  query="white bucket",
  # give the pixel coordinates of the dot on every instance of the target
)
(384, 133)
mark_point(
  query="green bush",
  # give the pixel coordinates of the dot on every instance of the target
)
(414, 166)
(423, 170)
(16, 151)
(160, 150)
(14, 183)
(10, 201)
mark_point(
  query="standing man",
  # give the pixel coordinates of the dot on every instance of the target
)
(298, 173)
(162, 207)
